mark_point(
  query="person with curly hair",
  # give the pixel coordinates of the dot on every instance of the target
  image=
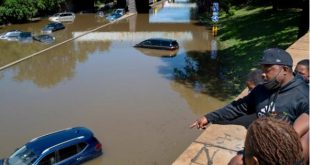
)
(270, 141)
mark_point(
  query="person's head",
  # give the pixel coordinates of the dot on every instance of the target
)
(302, 68)
(254, 78)
(270, 141)
(276, 65)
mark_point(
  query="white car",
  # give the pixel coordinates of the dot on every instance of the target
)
(62, 17)
(10, 35)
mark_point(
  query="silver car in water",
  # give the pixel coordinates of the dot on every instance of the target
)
(10, 35)
(62, 17)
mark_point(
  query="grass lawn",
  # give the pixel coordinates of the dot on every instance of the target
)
(240, 41)
(244, 35)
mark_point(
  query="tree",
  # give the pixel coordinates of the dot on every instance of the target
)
(22, 10)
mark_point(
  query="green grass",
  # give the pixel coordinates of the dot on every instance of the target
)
(244, 35)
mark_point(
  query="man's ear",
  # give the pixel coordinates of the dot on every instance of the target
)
(255, 160)
(287, 69)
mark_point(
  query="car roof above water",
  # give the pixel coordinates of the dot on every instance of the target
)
(160, 39)
(39, 144)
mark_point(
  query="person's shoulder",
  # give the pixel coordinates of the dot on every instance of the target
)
(302, 86)
(259, 88)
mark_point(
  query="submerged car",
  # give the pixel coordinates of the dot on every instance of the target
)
(62, 17)
(25, 37)
(117, 13)
(71, 146)
(44, 38)
(159, 43)
(114, 16)
(53, 26)
(10, 35)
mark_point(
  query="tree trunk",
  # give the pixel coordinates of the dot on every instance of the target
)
(304, 19)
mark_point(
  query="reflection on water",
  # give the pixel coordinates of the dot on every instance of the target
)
(57, 64)
(11, 51)
(158, 53)
(139, 106)
(172, 12)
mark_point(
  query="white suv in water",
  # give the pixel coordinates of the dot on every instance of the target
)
(62, 17)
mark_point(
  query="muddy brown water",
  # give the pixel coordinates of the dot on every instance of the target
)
(127, 97)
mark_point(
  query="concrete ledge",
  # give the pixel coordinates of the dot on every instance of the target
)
(217, 144)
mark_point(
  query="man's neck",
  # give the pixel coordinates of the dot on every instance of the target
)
(288, 79)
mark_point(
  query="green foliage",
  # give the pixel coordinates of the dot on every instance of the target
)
(22, 10)
(241, 39)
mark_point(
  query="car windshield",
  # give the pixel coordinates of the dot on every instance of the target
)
(24, 35)
(22, 156)
(118, 11)
(56, 15)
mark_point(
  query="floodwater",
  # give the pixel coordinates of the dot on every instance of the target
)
(135, 101)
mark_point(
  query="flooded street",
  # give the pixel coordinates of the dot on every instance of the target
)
(130, 98)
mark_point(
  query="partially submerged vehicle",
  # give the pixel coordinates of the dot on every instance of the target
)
(25, 37)
(53, 26)
(62, 17)
(71, 146)
(159, 43)
(10, 35)
(44, 38)
(116, 14)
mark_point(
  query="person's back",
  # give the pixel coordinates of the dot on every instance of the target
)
(272, 142)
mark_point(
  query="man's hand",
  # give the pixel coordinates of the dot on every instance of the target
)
(200, 123)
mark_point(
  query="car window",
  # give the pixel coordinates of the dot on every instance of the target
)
(81, 146)
(13, 34)
(22, 156)
(25, 34)
(67, 152)
(165, 43)
(59, 25)
(146, 43)
(156, 42)
(174, 43)
(49, 159)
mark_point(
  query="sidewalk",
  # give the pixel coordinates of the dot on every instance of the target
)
(219, 143)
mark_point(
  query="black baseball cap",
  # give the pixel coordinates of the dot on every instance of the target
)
(276, 56)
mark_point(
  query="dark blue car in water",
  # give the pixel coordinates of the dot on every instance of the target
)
(71, 146)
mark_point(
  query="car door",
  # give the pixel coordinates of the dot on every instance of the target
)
(62, 17)
(68, 155)
(49, 159)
